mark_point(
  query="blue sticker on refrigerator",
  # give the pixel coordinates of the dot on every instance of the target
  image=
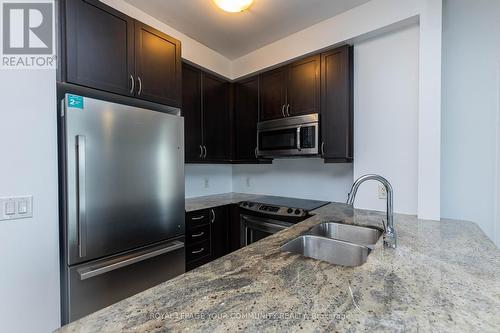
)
(75, 101)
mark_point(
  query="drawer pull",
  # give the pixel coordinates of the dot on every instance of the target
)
(198, 235)
(198, 251)
(197, 218)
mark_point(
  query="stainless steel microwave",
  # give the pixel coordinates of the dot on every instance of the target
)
(288, 137)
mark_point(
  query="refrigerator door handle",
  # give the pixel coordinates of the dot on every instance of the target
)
(89, 272)
(81, 200)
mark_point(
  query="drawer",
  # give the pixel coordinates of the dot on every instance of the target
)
(197, 218)
(200, 250)
(197, 235)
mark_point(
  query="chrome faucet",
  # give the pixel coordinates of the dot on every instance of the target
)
(389, 231)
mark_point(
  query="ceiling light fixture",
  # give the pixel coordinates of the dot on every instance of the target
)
(233, 6)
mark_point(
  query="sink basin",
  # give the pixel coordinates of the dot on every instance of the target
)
(349, 233)
(334, 251)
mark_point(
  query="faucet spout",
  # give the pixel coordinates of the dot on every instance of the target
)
(389, 231)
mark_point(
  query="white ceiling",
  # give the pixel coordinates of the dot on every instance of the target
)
(236, 34)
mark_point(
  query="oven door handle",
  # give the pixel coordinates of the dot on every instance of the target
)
(267, 223)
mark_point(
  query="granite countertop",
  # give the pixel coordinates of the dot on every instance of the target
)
(444, 276)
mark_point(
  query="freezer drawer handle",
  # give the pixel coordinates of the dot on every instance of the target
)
(198, 235)
(88, 273)
(81, 201)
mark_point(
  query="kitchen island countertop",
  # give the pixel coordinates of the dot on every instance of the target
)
(444, 276)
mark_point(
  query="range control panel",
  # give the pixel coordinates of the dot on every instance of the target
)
(273, 210)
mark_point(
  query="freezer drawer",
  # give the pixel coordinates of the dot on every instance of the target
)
(95, 285)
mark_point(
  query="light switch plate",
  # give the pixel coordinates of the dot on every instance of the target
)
(16, 208)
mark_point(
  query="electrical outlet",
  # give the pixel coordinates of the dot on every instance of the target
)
(207, 183)
(382, 192)
(248, 181)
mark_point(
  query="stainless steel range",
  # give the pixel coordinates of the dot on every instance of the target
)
(267, 215)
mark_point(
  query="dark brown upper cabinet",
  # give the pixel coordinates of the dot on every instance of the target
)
(205, 106)
(157, 65)
(99, 46)
(273, 93)
(337, 104)
(107, 50)
(246, 108)
(291, 90)
(216, 125)
(191, 110)
(303, 93)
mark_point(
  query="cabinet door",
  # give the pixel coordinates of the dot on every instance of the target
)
(337, 105)
(303, 94)
(272, 92)
(216, 129)
(219, 231)
(157, 66)
(246, 107)
(99, 46)
(191, 110)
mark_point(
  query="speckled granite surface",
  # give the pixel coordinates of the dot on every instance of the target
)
(443, 277)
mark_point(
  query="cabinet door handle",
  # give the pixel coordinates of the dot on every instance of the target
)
(198, 235)
(197, 218)
(198, 251)
(288, 110)
(140, 85)
(205, 154)
(212, 218)
(201, 151)
(256, 155)
(132, 83)
(283, 111)
(323, 148)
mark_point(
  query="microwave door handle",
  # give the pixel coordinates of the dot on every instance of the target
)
(298, 138)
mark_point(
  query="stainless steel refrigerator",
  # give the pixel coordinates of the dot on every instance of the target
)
(122, 216)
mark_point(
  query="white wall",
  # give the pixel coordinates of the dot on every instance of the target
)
(29, 248)
(205, 179)
(303, 178)
(471, 75)
(386, 117)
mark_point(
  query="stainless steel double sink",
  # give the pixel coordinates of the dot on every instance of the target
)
(336, 243)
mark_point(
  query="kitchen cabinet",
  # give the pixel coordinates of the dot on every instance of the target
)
(337, 105)
(205, 106)
(99, 46)
(191, 109)
(157, 65)
(291, 90)
(219, 222)
(207, 235)
(105, 49)
(216, 126)
(273, 94)
(246, 108)
(303, 93)
(198, 241)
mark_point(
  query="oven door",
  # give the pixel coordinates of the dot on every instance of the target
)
(254, 228)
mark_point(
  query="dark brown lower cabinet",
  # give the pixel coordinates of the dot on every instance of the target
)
(207, 236)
